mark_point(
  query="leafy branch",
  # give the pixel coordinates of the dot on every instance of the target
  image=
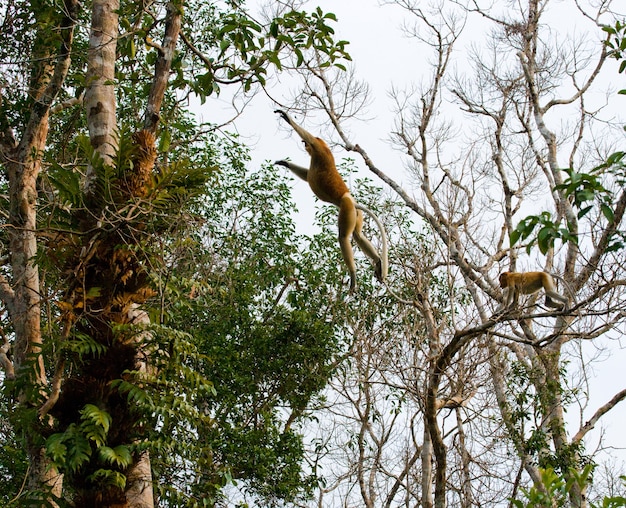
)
(586, 191)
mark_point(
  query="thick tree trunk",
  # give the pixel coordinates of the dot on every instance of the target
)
(26, 307)
(100, 93)
(101, 117)
(23, 248)
(22, 159)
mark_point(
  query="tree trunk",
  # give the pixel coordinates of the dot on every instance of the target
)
(22, 159)
(101, 117)
(100, 93)
(427, 470)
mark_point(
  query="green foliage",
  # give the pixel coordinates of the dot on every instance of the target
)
(71, 449)
(555, 490)
(306, 31)
(549, 231)
(267, 357)
(13, 460)
(83, 345)
(527, 406)
(587, 192)
(616, 43)
(239, 50)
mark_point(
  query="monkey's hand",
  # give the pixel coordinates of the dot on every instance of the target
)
(281, 163)
(283, 115)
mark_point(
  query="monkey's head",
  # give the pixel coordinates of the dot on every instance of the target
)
(504, 279)
(319, 147)
(308, 147)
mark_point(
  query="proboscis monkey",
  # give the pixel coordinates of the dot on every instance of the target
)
(527, 283)
(327, 184)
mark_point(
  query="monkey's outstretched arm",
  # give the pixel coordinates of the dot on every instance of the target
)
(306, 136)
(297, 170)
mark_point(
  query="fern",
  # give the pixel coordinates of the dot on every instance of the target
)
(67, 184)
(70, 449)
(84, 345)
(119, 456)
(108, 477)
(134, 393)
(95, 424)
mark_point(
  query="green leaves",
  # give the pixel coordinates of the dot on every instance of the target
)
(557, 489)
(119, 456)
(586, 192)
(246, 49)
(549, 231)
(583, 188)
(74, 448)
(616, 42)
(95, 424)
(305, 31)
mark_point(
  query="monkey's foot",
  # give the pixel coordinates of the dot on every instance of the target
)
(378, 271)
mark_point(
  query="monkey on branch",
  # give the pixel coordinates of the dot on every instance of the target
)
(527, 283)
(327, 184)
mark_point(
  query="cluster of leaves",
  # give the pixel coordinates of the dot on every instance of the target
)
(587, 192)
(233, 47)
(556, 490)
(165, 398)
(617, 45)
(13, 463)
(526, 405)
(72, 449)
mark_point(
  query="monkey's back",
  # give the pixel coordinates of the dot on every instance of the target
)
(323, 177)
(532, 282)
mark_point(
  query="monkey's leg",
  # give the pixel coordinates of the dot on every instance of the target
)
(554, 300)
(367, 247)
(510, 297)
(347, 223)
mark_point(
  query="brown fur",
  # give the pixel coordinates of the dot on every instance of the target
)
(527, 283)
(327, 184)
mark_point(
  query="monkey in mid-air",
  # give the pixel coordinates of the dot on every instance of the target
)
(527, 283)
(327, 184)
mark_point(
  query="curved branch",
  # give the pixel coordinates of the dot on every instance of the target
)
(163, 65)
(590, 424)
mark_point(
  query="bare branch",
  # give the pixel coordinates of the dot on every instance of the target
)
(590, 424)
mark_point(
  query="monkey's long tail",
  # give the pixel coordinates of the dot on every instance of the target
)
(384, 262)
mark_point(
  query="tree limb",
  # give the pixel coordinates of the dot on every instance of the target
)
(590, 424)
